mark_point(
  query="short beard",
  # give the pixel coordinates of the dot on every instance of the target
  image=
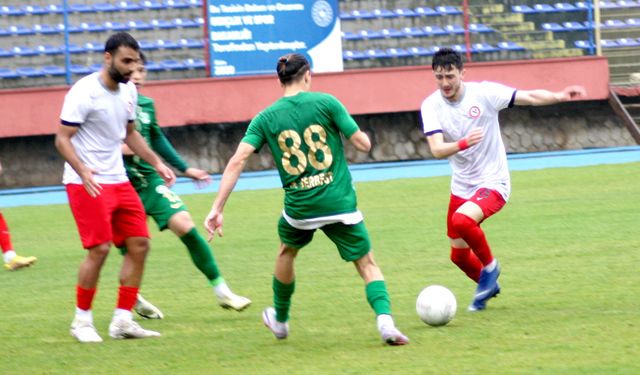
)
(116, 76)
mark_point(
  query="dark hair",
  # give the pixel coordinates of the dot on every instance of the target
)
(291, 67)
(143, 58)
(121, 39)
(447, 59)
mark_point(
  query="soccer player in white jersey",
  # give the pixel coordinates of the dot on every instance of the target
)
(460, 121)
(97, 116)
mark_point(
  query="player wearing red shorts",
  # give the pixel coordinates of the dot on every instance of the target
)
(97, 116)
(460, 121)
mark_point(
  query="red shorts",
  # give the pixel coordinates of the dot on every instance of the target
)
(490, 201)
(113, 216)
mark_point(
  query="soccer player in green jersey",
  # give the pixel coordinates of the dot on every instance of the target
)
(303, 131)
(166, 207)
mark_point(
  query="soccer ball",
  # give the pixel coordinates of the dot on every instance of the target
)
(436, 305)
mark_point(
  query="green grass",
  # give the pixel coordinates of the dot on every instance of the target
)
(568, 242)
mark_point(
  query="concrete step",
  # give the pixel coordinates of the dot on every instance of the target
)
(513, 26)
(554, 53)
(528, 36)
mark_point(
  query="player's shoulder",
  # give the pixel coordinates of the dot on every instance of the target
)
(144, 100)
(433, 100)
(86, 85)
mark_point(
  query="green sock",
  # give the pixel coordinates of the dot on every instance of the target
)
(378, 297)
(201, 254)
(282, 298)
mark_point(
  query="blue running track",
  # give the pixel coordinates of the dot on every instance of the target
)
(361, 172)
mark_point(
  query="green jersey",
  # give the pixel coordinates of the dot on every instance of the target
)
(139, 171)
(303, 134)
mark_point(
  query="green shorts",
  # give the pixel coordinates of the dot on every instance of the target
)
(160, 202)
(352, 241)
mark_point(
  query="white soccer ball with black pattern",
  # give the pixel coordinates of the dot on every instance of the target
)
(436, 305)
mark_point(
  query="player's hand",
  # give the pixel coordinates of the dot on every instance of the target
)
(167, 174)
(572, 93)
(213, 223)
(474, 137)
(200, 178)
(90, 185)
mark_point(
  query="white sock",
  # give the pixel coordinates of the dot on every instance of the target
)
(85, 315)
(491, 266)
(122, 314)
(384, 320)
(222, 290)
(9, 255)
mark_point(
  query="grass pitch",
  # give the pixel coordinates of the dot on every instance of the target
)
(568, 242)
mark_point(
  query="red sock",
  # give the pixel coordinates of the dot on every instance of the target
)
(5, 238)
(467, 261)
(127, 296)
(471, 233)
(84, 297)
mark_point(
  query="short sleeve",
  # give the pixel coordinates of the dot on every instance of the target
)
(342, 118)
(75, 108)
(430, 122)
(498, 95)
(134, 99)
(255, 134)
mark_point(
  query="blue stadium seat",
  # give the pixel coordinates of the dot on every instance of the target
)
(162, 24)
(545, 8)
(20, 30)
(524, 9)
(79, 69)
(461, 48)
(176, 4)
(153, 5)
(566, 7)
(434, 30)
(371, 34)
(140, 25)
(5, 53)
(362, 15)
(191, 43)
(574, 26)
(552, 26)
(346, 16)
(199, 21)
(480, 28)
(4, 32)
(54, 9)
(608, 5)
(510, 46)
(10, 10)
(405, 12)
(348, 35)
(426, 11)
(92, 27)
(614, 24)
(104, 7)
(167, 44)
(375, 53)
(153, 66)
(173, 65)
(633, 22)
(129, 6)
(353, 55)
(6, 73)
(24, 51)
(29, 72)
(95, 47)
(609, 43)
(75, 48)
(71, 28)
(628, 42)
(413, 32)
(35, 10)
(53, 71)
(184, 23)
(146, 45)
(391, 33)
(116, 26)
(195, 3)
(583, 44)
(628, 4)
(95, 67)
(420, 51)
(47, 49)
(80, 8)
(454, 29)
(397, 52)
(483, 48)
(195, 64)
(383, 13)
(447, 10)
(45, 29)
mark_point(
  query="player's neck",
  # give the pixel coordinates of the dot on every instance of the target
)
(107, 81)
(293, 90)
(458, 95)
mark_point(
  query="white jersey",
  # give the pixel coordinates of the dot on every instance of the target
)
(102, 116)
(483, 165)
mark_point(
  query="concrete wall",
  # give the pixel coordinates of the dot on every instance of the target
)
(33, 160)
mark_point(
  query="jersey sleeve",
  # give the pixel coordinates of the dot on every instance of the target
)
(255, 134)
(342, 118)
(498, 95)
(161, 145)
(134, 98)
(430, 122)
(76, 107)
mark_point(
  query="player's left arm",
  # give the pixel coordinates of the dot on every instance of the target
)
(546, 97)
(137, 144)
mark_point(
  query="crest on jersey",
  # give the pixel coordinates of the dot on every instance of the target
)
(474, 112)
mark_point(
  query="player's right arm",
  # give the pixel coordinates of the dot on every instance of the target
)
(441, 149)
(360, 140)
(214, 221)
(68, 152)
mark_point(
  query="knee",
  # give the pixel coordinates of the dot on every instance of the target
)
(137, 246)
(181, 223)
(462, 223)
(459, 256)
(101, 251)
